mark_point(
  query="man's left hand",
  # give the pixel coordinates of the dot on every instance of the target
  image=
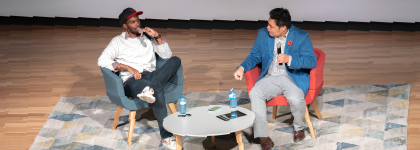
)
(149, 31)
(283, 58)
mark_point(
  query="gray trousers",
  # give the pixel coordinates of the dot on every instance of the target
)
(266, 89)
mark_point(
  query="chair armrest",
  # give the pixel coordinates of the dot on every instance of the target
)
(252, 77)
(113, 83)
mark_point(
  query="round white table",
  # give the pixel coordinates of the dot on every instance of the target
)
(203, 124)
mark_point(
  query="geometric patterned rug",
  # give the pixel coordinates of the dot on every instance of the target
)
(354, 118)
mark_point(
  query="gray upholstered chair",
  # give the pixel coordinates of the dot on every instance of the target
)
(116, 93)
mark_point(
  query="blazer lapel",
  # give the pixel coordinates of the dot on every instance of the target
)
(290, 37)
(270, 48)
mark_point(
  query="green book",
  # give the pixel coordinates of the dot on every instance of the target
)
(214, 109)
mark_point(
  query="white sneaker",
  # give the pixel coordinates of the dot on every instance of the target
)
(169, 142)
(147, 95)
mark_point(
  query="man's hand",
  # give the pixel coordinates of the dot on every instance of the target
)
(239, 74)
(149, 31)
(135, 73)
(283, 58)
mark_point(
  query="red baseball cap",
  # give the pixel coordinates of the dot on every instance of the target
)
(127, 14)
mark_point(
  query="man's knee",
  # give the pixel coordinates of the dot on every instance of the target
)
(160, 97)
(255, 94)
(296, 99)
(175, 59)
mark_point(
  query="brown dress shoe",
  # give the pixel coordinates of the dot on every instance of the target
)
(266, 143)
(298, 136)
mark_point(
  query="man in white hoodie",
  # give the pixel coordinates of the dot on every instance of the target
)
(133, 55)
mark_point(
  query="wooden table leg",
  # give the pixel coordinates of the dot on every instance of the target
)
(239, 140)
(213, 139)
(178, 142)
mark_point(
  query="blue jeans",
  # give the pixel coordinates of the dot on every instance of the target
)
(156, 80)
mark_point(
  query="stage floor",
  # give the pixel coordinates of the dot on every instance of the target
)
(40, 64)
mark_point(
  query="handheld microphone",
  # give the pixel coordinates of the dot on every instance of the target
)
(144, 37)
(147, 35)
(279, 52)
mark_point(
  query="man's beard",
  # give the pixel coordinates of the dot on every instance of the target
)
(133, 31)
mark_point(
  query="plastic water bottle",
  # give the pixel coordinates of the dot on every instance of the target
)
(233, 103)
(183, 105)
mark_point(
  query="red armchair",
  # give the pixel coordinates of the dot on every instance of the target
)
(315, 86)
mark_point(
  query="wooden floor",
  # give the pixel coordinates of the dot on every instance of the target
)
(40, 64)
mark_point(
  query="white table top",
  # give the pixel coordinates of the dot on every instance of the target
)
(202, 124)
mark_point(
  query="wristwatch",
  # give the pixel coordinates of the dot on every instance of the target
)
(157, 37)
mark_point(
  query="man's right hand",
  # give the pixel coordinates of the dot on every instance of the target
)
(135, 73)
(239, 74)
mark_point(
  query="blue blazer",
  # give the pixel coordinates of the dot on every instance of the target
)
(301, 50)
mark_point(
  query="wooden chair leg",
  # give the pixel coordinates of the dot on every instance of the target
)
(172, 107)
(308, 120)
(178, 142)
(239, 140)
(117, 116)
(274, 111)
(213, 140)
(315, 106)
(132, 118)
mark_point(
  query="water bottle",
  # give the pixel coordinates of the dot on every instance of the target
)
(233, 103)
(183, 105)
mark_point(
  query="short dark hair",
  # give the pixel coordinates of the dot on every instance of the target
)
(282, 17)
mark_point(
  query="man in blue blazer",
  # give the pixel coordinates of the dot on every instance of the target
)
(287, 55)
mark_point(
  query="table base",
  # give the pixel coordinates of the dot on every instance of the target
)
(213, 139)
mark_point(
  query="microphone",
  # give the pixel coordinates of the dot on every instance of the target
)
(142, 38)
(150, 37)
(279, 52)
